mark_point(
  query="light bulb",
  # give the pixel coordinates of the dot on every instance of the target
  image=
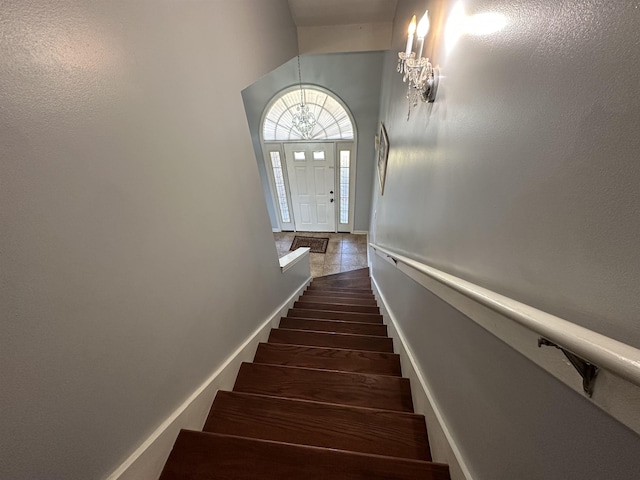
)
(412, 26)
(423, 26)
(412, 30)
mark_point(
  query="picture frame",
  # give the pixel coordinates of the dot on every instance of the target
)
(383, 155)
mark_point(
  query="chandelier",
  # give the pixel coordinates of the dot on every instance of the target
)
(417, 71)
(303, 120)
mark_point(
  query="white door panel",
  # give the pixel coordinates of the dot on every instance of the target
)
(305, 214)
(321, 213)
(318, 177)
(311, 168)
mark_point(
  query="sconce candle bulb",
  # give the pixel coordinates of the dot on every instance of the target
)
(423, 26)
(411, 31)
(417, 71)
(423, 29)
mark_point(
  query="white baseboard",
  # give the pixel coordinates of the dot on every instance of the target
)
(147, 461)
(443, 446)
(276, 230)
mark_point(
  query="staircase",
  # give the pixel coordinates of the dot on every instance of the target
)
(323, 399)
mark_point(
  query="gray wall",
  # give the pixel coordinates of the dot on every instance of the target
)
(510, 418)
(523, 178)
(127, 246)
(355, 78)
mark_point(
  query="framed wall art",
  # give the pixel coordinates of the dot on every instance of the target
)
(383, 155)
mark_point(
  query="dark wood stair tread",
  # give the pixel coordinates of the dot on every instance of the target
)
(332, 340)
(337, 288)
(348, 285)
(360, 272)
(335, 307)
(368, 302)
(330, 315)
(354, 281)
(337, 326)
(347, 388)
(357, 361)
(208, 456)
(338, 293)
(327, 425)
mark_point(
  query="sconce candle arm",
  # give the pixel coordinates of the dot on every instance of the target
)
(416, 70)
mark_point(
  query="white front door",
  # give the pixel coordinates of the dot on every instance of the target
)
(311, 171)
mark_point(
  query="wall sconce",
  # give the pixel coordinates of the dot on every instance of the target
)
(417, 70)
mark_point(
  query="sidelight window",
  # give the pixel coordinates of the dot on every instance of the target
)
(276, 165)
(345, 161)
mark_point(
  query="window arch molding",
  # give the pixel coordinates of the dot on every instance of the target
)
(334, 119)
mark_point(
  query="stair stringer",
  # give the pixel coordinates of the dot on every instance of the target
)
(444, 448)
(148, 460)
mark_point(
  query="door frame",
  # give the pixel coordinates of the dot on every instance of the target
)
(337, 146)
(268, 146)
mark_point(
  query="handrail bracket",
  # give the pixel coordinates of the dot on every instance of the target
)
(587, 371)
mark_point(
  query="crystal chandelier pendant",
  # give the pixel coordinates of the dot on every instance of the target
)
(304, 121)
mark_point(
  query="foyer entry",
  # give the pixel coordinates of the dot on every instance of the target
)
(311, 175)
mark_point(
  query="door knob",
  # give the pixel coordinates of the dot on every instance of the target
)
(332, 200)
(331, 192)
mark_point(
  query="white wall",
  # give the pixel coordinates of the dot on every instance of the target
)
(522, 177)
(345, 38)
(136, 251)
(355, 78)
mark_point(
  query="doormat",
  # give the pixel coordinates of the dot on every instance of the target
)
(316, 244)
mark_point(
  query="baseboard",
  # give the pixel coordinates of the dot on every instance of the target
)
(360, 232)
(444, 448)
(276, 230)
(147, 461)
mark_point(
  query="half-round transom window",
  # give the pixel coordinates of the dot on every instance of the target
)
(332, 120)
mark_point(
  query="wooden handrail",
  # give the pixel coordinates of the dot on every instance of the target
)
(598, 349)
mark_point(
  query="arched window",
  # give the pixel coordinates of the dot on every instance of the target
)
(332, 120)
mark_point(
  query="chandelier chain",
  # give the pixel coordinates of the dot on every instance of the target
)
(300, 83)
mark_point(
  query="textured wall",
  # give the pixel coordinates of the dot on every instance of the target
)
(132, 217)
(510, 419)
(522, 177)
(355, 78)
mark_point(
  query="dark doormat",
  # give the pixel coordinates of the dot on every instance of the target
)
(316, 244)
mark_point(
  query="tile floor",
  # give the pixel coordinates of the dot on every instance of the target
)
(345, 251)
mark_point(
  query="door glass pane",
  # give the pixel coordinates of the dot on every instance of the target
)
(298, 156)
(345, 160)
(276, 165)
(318, 155)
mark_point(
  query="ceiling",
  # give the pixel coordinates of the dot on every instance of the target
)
(311, 13)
